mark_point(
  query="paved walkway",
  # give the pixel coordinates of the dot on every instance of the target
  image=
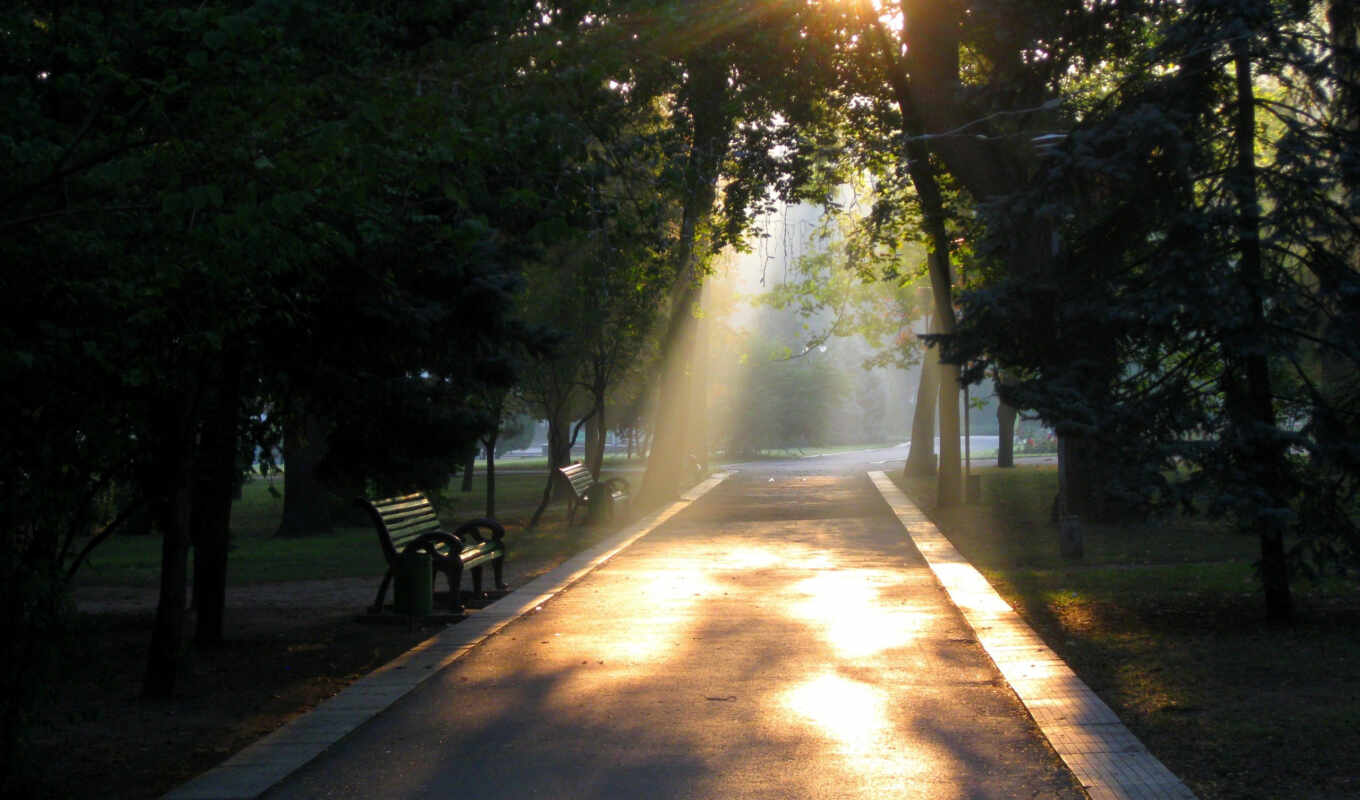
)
(778, 638)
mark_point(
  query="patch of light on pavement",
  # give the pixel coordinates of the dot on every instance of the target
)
(854, 717)
(663, 607)
(845, 608)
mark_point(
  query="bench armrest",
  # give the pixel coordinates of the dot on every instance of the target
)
(471, 531)
(429, 541)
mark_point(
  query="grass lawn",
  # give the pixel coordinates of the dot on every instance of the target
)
(260, 557)
(1165, 621)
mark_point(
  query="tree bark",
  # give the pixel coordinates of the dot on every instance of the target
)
(949, 481)
(699, 387)
(705, 96)
(1338, 374)
(559, 455)
(932, 63)
(1082, 479)
(921, 459)
(491, 473)
(669, 457)
(216, 478)
(174, 490)
(596, 429)
(1005, 428)
(307, 503)
(1260, 451)
(469, 467)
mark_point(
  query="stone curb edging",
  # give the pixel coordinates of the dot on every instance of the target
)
(1106, 758)
(253, 770)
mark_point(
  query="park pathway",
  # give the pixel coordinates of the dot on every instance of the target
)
(778, 638)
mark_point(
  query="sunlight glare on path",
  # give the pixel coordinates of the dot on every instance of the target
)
(844, 607)
(850, 712)
(854, 717)
(666, 602)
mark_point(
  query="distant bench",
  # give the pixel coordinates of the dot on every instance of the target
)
(409, 523)
(585, 490)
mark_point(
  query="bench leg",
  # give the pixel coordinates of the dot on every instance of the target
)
(377, 606)
(477, 584)
(497, 567)
(454, 574)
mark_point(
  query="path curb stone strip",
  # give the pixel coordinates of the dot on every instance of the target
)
(1105, 756)
(252, 771)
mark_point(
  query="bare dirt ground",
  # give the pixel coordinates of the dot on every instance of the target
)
(289, 647)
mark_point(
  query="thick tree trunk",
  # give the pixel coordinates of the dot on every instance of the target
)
(949, 482)
(1338, 375)
(174, 488)
(307, 503)
(595, 436)
(932, 64)
(1005, 429)
(469, 467)
(1083, 479)
(491, 474)
(699, 388)
(216, 478)
(669, 459)
(1261, 451)
(921, 459)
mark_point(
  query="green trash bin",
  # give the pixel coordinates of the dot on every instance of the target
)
(413, 593)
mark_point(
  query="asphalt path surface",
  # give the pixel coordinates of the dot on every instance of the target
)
(780, 638)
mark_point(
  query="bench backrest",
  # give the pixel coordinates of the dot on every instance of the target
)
(578, 476)
(401, 519)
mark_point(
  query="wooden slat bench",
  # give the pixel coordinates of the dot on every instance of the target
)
(586, 490)
(409, 522)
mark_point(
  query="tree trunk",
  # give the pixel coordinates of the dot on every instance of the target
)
(699, 388)
(921, 460)
(1082, 479)
(705, 97)
(932, 63)
(491, 474)
(1261, 451)
(216, 478)
(174, 489)
(595, 436)
(469, 466)
(307, 503)
(559, 455)
(949, 483)
(669, 458)
(1338, 375)
(1005, 428)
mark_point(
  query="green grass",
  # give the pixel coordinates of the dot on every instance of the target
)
(1166, 622)
(258, 556)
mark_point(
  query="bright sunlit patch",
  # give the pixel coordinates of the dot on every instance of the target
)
(851, 713)
(855, 718)
(845, 608)
(969, 590)
(663, 608)
(749, 558)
